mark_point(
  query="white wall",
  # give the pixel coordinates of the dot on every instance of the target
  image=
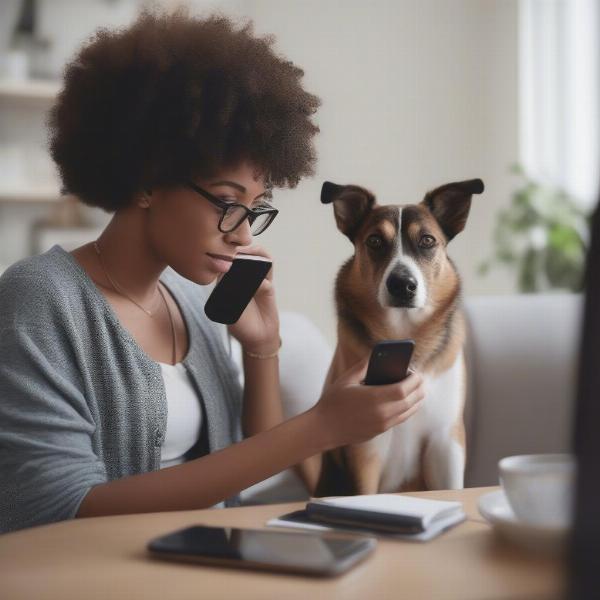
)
(415, 93)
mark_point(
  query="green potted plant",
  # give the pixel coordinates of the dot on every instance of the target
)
(542, 236)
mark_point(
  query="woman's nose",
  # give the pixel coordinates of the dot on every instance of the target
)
(240, 236)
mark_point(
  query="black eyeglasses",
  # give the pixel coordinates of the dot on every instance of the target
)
(235, 214)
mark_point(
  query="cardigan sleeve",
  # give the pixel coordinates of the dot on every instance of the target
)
(47, 462)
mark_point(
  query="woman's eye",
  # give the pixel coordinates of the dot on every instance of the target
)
(374, 241)
(427, 241)
(228, 199)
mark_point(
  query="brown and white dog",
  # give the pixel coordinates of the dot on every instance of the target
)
(400, 283)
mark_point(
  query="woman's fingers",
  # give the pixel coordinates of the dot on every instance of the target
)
(356, 373)
(410, 384)
(397, 419)
(402, 389)
(255, 250)
(355, 413)
(392, 407)
(397, 403)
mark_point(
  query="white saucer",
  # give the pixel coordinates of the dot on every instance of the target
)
(494, 507)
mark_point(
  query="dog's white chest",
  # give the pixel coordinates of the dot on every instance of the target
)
(402, 448)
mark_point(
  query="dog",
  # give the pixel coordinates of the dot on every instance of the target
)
(400, 283)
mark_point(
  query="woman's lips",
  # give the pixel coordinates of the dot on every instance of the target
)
(220, 262)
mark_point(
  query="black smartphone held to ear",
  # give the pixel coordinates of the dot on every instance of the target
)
(301, 553)
(236, 288)
(389, 362)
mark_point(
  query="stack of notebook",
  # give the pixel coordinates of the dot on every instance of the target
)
(404, 517)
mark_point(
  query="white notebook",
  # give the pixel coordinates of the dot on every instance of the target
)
(389, 515)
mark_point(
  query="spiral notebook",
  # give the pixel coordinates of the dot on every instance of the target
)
(387, 515)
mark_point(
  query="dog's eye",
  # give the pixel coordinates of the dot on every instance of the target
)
(375, 241)
(427, 241)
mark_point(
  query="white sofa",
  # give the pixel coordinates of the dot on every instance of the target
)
(522, 361)
(521, 357)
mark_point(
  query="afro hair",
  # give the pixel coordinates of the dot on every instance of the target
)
(173, 97)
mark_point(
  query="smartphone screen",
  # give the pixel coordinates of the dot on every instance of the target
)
(389, 362)
(309, 553)
(235, 289)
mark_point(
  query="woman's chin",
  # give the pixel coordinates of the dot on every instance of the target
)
(205, 278)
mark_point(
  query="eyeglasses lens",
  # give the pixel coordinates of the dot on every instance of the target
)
(260, 223)
(236, 215)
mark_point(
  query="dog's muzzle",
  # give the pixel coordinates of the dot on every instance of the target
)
(402, 287)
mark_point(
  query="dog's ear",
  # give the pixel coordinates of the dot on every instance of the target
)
(351, 204)
(450, 204)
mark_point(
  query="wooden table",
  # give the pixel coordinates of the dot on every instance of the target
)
(105, 557)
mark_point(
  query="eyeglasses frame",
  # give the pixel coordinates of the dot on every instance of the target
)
(251, 213)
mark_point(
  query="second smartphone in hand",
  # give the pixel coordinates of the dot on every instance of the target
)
(389, 361)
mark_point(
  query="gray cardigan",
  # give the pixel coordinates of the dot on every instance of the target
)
(80, 402)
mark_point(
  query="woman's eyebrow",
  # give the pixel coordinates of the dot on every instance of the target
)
(237, 186)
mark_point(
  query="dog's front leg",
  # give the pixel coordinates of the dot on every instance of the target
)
(444, 462)
(348, 471)
(365, 464)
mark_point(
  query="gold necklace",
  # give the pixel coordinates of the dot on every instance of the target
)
(117, 287)
(149, 313)
(173, 336)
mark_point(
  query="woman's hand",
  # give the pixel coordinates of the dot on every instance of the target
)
(350, 412)
(257, 329)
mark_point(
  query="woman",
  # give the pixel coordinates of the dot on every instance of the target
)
(116, 393)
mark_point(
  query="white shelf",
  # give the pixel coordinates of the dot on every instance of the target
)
(42, 194)
(32, 89)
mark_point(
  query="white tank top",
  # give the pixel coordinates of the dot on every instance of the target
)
(184, 417)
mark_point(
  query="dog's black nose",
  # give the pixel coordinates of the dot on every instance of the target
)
(401, 285)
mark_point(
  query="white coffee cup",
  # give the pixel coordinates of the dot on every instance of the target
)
(540, 487)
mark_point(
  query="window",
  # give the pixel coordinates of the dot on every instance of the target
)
(560, 94)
